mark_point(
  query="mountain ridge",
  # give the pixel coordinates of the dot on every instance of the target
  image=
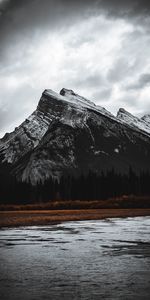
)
(68, 133)
(141, 123)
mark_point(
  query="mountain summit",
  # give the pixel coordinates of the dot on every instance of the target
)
(69, 134)
(128, 118)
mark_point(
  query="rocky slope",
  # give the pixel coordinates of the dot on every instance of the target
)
(142, 124)
(146, 118)
(69, 134)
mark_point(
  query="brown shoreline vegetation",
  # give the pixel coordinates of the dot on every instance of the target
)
(45, 217)
(72, 210)
(125, 201)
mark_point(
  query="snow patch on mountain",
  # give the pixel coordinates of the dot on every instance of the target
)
(146, 118)
(116, 150)
(77, 100)
(133, 121)
(99, 152)
(45, 143)
(24, 138)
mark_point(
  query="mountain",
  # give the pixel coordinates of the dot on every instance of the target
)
(126, 117)
(68, 134)
(146, 118)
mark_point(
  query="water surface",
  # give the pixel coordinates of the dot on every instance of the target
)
(106, 259)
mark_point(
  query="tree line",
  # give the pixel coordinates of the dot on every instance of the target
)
(84, 187)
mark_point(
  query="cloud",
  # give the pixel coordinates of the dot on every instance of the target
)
(19, 17)
(121, 68)
(22, 21)
(128, 8)
(97, 48)
(102, 95)
(15, 109)
(142, 82)
(92, 80)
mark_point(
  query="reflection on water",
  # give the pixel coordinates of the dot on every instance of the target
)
(107, 259)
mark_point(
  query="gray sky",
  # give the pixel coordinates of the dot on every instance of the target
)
(100, 49)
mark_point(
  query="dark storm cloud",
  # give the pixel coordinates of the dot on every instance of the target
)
(126, 8)
(19, 18)
(32, 13)
(97, 47)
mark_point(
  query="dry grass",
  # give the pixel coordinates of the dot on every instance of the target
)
(60, 211)
(30, 218)
(118, 202)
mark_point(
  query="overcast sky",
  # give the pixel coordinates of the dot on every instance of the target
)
(100, 49)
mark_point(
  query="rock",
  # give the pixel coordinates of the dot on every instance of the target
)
(68, 134)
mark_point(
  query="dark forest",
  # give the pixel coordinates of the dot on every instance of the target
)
(84, 188)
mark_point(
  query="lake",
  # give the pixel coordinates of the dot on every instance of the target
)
(106, 259)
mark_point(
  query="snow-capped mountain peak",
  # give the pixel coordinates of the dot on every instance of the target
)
(69, 133)
(71, 95)
(146, 118)
(134, 121)
(122, 113)
(76, 100)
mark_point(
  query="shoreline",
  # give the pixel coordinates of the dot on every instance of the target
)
(49, 217)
